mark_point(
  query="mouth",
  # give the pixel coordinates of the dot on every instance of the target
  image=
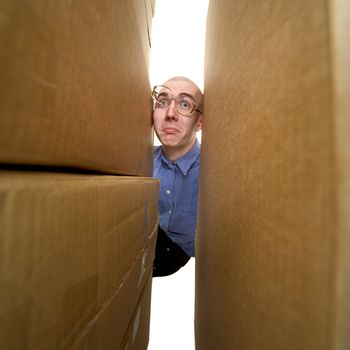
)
(169, 130)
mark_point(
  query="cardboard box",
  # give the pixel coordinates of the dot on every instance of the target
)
(153, 5)
(76, 254)
(137, 334)
(273, 259)
(74, 87)
(144, 14)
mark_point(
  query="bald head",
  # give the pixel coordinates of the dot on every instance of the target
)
(198, 93)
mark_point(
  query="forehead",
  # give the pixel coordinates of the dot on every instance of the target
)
(180, 86)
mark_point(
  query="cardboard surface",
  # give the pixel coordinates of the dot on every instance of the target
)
(153, 5)
(137, 334)
(74, 87)
(114, 320)
(272, 265)
(144, 15)
(76, 251)
(340, 41)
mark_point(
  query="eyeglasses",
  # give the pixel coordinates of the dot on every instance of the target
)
(185, 104)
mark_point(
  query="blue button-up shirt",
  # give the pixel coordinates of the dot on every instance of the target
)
(178, 198)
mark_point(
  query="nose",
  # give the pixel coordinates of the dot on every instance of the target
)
(171, 112)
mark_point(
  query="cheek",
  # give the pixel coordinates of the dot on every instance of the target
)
(191, 127)
(156, 119)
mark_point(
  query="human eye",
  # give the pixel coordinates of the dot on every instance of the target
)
(163, 100)
(185, 103)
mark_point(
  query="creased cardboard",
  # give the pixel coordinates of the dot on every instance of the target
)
(153, 5)
(144, 15)
(106, 330)
(76, 251)
(273, 259)
(74, 87)
(137, 334)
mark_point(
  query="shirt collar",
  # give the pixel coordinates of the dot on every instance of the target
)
(185, 162)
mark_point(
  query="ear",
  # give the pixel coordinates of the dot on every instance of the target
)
(199, 123)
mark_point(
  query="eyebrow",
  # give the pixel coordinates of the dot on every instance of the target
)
(180, 94)
(186, 94)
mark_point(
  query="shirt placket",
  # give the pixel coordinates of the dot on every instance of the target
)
(172, 192)
(169, 191)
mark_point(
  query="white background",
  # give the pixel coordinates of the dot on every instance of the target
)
(178, 37)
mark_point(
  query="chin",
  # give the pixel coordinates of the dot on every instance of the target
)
(169, 141)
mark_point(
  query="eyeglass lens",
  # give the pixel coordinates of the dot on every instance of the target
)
(184, 104)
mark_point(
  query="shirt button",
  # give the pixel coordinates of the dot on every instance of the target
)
(167, 191)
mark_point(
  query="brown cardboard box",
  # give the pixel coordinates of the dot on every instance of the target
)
(76, 251)
(273, 259)
(74, 87)
(144, 15)
(137, 334)
(153, 5)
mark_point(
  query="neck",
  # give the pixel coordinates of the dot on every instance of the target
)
(174, 153)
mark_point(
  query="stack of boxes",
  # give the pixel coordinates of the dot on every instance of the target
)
(77, 239)
(273, 259)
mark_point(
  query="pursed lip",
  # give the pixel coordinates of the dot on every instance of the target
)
(170, 130)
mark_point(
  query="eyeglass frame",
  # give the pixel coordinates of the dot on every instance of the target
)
(174, 98)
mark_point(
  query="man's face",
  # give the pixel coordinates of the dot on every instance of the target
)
(172, 128)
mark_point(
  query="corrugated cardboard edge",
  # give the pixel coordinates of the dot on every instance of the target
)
(340, 60)
(153, 4)
(149, 15)
(143, 13)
